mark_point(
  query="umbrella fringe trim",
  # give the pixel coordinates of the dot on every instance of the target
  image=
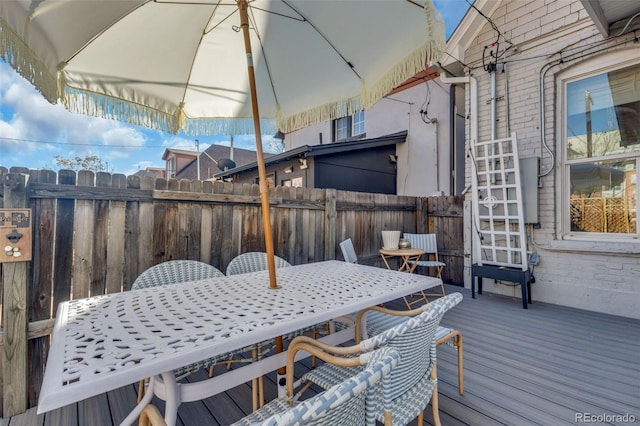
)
(319, 114)
(409, 67)
(22, 59)
(228, 126)
(414, 63)
(79, 101)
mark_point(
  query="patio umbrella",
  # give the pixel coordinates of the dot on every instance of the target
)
(212, 66)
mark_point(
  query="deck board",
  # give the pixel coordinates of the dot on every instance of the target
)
(538, 366)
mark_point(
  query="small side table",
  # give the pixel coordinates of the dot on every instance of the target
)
(406, 255)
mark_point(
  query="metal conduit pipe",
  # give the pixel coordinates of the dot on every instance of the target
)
(543, 139)
(493, 105)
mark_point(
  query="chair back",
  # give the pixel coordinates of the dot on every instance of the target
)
(252, 262)
(175, 271)
(348, 251)
(415, 341)
(426, 242)
(344, 403)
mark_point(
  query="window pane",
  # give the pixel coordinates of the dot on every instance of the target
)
(358, 123)
(342, 128)
(603, 197)
(603, 113)
(296, 182)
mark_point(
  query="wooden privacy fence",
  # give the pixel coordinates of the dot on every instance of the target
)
(95, 233)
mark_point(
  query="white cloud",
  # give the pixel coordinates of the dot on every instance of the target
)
(179, 142)
(30, 125)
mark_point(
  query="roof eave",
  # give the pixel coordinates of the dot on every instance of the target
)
(325, 149)
(467, 32)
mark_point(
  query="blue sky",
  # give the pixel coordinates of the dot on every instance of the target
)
(33, 132)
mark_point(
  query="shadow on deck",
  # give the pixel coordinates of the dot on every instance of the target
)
(547, 365)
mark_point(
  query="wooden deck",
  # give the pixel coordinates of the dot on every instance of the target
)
(540, 366)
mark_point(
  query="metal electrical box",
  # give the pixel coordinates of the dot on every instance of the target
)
(529, 178)
(15, 235)
(529, 172)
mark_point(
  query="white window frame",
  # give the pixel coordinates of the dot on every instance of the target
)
(355, 126)
(171, 166)
(616, 242)
(358, 124)
(340, 125)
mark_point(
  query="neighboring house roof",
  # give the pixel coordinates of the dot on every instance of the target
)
(240, 156)
(177, 151)
(319, 150)
(154, 172)
(209, 159)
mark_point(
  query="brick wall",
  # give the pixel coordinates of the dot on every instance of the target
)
(575, 274)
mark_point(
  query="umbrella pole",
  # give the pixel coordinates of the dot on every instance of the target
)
(262, 171)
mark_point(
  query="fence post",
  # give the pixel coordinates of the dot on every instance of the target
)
(330, 224)
(14, 312)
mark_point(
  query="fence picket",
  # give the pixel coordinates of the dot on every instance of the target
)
(41, 287)
(116, 237)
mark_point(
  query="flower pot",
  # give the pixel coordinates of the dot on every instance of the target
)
(390, 239)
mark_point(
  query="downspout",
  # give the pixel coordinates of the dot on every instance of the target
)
(452, 141)
(434, 121)
(473, 102)
(473, 135)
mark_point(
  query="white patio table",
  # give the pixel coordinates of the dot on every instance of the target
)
(106, 342)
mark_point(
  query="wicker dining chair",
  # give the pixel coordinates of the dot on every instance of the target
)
(175, 271)
(244, 263)
(413, 383)
(257, 261)
(379, 321)
(343, 404)
(178, 271)
(251, 262)
(429, 244)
